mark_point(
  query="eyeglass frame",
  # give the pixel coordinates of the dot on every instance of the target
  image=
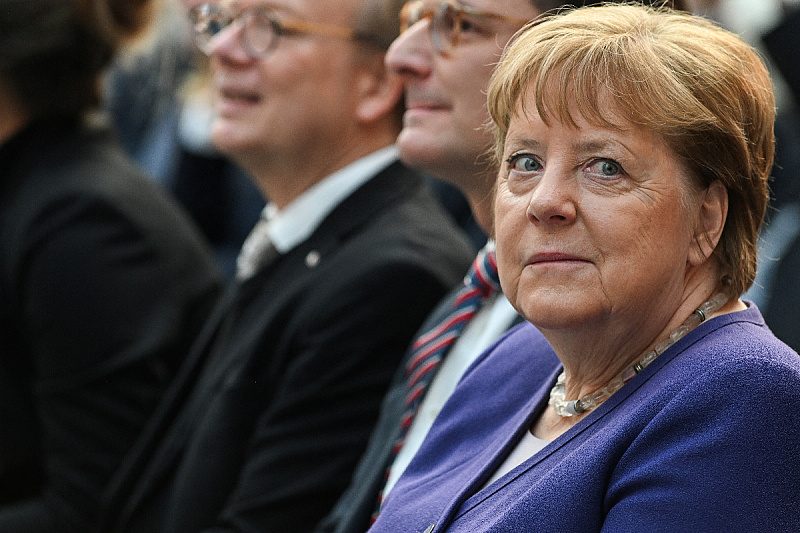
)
(279, 27)
(459, 11)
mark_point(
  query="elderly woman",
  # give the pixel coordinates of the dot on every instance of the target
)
(103, 282)
(635, 145)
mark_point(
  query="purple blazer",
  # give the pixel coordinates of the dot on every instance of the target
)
(707, 438)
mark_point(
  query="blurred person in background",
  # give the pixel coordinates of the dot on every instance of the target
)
(776, 289)
(159, 98)
(350, 255)
(104, 282)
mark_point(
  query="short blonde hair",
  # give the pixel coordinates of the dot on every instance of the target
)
(700, 87)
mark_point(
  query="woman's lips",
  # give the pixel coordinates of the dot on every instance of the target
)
(555, 258)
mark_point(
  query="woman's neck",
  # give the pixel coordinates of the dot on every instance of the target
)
(596, 354)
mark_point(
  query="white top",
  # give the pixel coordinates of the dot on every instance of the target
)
(527, 447)
(296, 222)
(487, 325)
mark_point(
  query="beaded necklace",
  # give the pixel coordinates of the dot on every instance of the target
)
(569, 408)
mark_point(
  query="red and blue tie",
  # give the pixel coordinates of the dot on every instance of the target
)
(480, 283)
(429, 349)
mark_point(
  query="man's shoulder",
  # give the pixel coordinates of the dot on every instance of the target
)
(403, 204)
(395, 219)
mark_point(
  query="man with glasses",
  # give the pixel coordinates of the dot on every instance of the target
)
(270, 414)
(445, 57)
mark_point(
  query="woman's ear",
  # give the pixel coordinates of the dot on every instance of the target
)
(379, 91)
(711, 216)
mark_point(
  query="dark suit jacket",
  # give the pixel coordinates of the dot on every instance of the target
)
(782, 43)
(783, 313)
(298, 358)
(103, 286)
(354, 509)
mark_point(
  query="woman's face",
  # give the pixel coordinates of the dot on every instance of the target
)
(592, 224)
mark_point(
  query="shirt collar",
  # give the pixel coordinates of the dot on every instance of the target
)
(296, 222)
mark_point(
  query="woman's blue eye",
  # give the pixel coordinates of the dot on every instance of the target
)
(524, 163)
(605, 167)
(608, 168)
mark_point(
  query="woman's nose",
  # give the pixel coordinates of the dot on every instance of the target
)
(552, 199)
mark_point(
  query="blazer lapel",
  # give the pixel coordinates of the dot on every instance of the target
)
(393, 184)
(158, 450)
(148, 460)
(508, 436)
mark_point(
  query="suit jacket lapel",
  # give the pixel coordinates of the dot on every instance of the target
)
(125, 490)
(394, 184)
(158, 450)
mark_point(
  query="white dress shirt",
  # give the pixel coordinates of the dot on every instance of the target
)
(296, 222)
(487, 325)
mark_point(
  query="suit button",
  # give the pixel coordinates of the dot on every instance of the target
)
(430, 528)
(313, 258)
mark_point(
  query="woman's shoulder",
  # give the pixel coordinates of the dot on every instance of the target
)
(493, 399)
(742, 335)
(72, 188)
(54, 159)
(731, 364)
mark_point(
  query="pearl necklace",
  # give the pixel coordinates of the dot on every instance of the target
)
(569, 408)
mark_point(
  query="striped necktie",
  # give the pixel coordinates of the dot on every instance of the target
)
(429, 349)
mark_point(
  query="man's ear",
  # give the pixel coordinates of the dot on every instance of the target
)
(711, 216)
(378, 90)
